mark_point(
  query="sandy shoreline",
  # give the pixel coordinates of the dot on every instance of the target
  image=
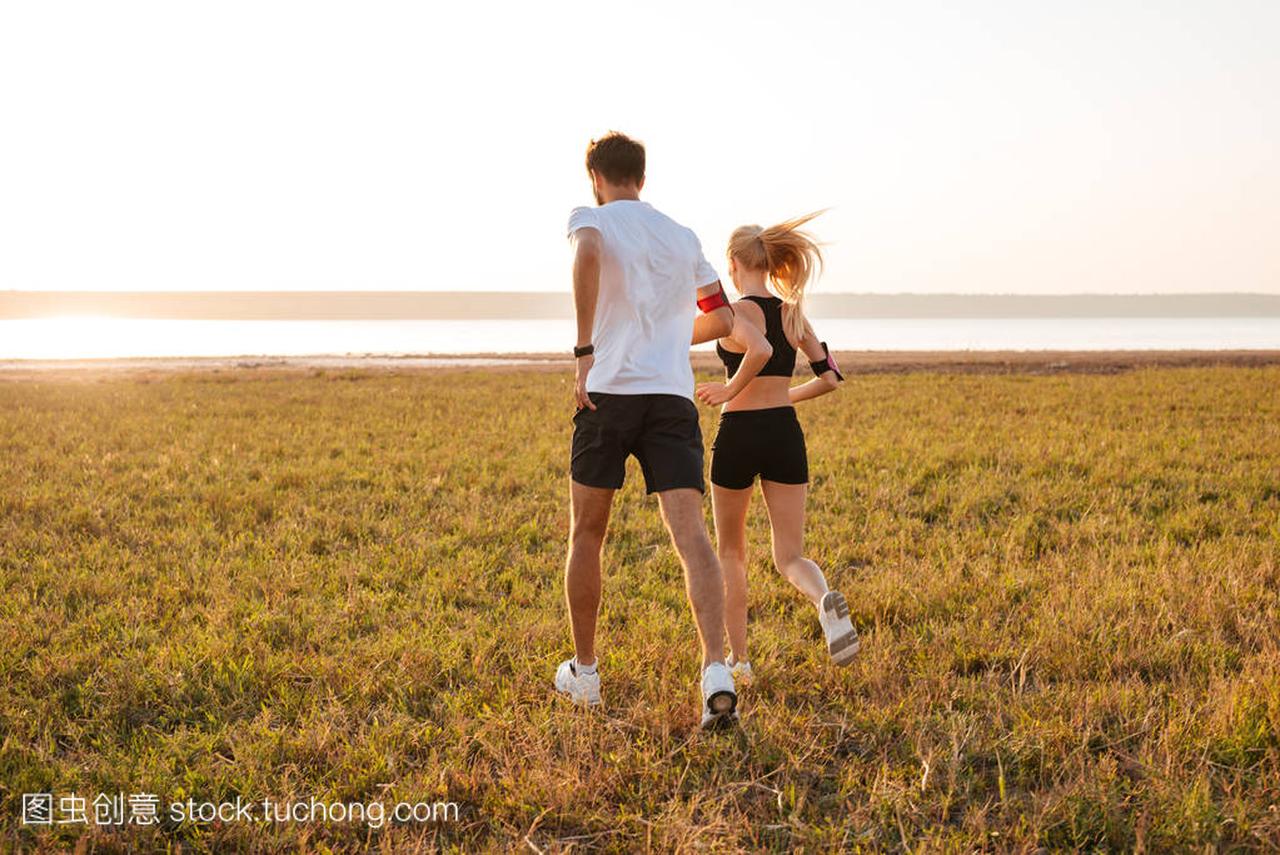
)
(852, 362)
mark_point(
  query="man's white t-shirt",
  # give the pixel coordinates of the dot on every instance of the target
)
(650, 271)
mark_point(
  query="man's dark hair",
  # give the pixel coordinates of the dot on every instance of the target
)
(617, 157)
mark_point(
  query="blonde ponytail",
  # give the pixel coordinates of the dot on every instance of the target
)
(789, 256)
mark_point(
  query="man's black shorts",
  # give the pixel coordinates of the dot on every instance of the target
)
(662, 432)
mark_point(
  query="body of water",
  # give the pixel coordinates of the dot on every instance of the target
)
(90, 338)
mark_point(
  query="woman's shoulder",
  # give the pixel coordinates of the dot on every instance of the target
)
(749, 307)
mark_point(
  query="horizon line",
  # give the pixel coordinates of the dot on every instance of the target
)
(548, 305)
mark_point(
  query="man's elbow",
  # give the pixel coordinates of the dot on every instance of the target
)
(831, 381)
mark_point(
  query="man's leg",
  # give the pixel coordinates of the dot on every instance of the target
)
(682, 512)
(588, 519)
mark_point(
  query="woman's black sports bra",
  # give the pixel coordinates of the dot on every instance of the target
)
(783, 361)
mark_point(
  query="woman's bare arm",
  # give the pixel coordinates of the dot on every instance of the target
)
(751, 339)
(825, 382)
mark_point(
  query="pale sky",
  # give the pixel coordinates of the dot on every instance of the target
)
(996, 147)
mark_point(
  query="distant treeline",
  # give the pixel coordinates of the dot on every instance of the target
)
(461, 305)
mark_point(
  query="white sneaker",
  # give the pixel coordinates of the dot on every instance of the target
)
(741, 672)
(842, 638)
(579, 688)
(719, 700)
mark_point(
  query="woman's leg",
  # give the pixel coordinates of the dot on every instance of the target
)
(730, 508)
(785, 503)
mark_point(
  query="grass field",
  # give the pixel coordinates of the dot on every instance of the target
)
(346, 585)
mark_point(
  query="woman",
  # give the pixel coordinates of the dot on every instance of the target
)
(759, 433)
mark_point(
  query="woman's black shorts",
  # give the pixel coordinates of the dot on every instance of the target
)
(768, 443)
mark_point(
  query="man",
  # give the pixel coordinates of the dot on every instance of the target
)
(639, 279)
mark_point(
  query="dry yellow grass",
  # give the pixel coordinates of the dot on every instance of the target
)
(347, 585)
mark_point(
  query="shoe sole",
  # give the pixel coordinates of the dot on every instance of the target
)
(577, 700)
(723, 709)
(844, 647)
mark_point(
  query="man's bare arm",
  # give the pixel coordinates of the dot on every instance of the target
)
(586, 290)
(714, 324)
(586, 281)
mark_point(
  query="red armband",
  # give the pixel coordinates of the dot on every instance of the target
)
(715, 301)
